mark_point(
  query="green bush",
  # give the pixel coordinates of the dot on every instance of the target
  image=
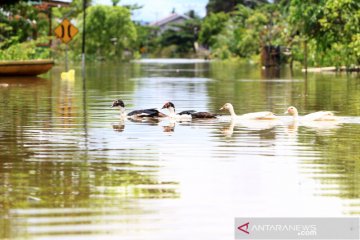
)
(25, 51)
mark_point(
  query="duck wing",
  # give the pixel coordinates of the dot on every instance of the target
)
(259, 116)
(203, 115)
(187, 112)
(320, 116)
(151, 112)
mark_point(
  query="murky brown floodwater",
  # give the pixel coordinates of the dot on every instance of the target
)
(70, 169)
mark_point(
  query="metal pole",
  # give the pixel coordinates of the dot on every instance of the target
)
(83, 37)
(66, 58)
(305, 56)
(50, 26)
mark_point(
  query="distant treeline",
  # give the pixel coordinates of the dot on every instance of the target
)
(322, 33)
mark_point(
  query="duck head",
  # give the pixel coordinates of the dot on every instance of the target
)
(227, 106)
(168, 105)
(292, 111)
(230, 108)
(118, 103)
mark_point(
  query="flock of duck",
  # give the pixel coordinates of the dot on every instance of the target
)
(192, 114)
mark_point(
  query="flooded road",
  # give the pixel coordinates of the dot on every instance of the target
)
(70, 169)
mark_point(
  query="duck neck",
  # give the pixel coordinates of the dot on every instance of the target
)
(295, 116)
(122, 112)
(172, 112)
(232, 112)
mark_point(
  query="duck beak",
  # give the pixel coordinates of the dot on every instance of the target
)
(222, 108)
(286, 112)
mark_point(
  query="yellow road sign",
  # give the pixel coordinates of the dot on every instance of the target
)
(66, 31)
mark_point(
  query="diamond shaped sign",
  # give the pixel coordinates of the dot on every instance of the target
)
(66, 31)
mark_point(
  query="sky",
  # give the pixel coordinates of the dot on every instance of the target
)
(154, 10)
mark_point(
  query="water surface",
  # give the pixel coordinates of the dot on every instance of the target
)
(69, 168)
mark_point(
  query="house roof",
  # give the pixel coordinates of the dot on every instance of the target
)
(58, 2)
(172, 17)
(52, 3)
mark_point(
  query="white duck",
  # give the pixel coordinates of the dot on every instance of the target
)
(248, 116)
(186, 115)
(316, 116)
(137, 114)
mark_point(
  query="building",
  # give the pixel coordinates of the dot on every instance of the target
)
(169, 22)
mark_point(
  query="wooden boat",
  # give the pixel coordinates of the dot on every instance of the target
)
(25, 67)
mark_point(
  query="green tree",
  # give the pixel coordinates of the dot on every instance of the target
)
(183, 36)
(109, 31)
(211, 26)
(115, 2)
(330, 27)
(251, 34)
(74, 10)
(215, 6)
(146, 41)
(245, 31)
(340, 29)
(21, 23)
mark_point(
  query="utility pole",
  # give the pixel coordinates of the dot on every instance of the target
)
(305, 56)
(83, 37)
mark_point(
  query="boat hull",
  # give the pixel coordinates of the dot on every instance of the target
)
(25, 68)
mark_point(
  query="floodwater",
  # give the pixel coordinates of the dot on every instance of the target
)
(70, 169)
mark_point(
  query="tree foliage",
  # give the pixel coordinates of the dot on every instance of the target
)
(75, 9)
(182, 36)
(215, 6)
(146, 41)
(211, 26)
(243, 32)
(332, 28)
(109, 31)
(329, 28)
(26, 50)
(19, 23)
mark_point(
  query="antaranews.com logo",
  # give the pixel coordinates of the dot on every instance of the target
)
(302, 230)
(244, 228)
(297, 228)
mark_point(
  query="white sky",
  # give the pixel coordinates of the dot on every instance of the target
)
(157, 9)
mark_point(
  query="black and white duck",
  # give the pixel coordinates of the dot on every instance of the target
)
(186, 115)
(136, 114)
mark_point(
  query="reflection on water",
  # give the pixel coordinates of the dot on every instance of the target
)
(70, 168)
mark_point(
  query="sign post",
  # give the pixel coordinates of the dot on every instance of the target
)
(83, 39)
(66, 31)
